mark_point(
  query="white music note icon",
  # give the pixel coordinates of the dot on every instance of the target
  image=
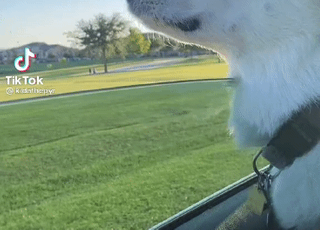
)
(27, 60)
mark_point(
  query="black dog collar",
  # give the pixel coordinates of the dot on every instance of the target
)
(295, 138)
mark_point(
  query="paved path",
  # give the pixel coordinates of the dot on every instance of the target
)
(152, 65)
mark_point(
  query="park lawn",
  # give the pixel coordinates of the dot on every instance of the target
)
(202, 70)
(70, 69)
(76, 71)
(115, 160)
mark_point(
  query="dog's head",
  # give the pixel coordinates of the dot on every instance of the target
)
(231, 26)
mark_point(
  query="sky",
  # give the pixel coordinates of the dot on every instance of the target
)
(26, 21)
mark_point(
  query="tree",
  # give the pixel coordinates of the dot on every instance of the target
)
(137, 42)
(118, 47)
(51, 56)
(101, 32)
(63, 61)
(157, 42)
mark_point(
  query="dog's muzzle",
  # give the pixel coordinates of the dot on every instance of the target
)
(146, 10)
(186, 25)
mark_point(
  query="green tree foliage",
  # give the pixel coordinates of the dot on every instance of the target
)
(137, 43)
(101, 33)
(118, 48)
(157, 42)
(63, 61)
(51, 56)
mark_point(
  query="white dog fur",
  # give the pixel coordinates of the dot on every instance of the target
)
(273, 50)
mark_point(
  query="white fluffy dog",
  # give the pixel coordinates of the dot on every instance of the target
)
(273, 50)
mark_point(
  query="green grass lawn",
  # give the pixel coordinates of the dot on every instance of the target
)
(77, 71)
(115, 160)
(42, 67)
(82, 69)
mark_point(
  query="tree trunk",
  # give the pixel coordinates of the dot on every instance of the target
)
(104, 59)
